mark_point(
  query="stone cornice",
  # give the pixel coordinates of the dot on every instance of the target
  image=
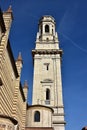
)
(47, 81)
(39, 105)
(58, 114)
(39, 128)
(58, 106)
(59, 122)
(49, 51)
(47, 42)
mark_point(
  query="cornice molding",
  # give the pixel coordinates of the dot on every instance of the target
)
(49, 51)
(59, 122)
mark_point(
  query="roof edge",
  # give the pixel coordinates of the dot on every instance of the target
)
(38, 105)
(10, 118)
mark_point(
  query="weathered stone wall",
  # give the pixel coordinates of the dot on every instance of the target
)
(12, 99)
(45, 116)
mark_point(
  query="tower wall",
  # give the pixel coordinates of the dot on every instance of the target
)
(47, 82)
(45, 116)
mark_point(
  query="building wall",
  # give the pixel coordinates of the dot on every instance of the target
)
(20, 113)
(45, 116)
(8, 84)
(6, 124)
(12, 98)
(44, 79)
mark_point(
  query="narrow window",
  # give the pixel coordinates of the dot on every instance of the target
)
(52, 30)
(37, 116)
(47, 66)
(47, 94)
(47, 28)
(41, 29)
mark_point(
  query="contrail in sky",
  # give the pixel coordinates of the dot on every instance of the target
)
(73, 43)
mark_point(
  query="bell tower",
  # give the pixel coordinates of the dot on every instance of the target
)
(47, 36)
(47, 28)
(47, 83)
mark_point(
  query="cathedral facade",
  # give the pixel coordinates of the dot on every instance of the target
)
(12, 96)
(47, 109)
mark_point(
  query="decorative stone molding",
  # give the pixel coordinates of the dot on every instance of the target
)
(49, 51)
(47, 81)
(59, 122)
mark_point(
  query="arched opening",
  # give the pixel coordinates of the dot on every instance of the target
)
(41, 29)
(37, 116)
(47, 94)
(47, 28)
(52, 30)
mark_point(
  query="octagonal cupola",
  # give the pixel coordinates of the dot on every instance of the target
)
(47, 32)
(47, 26)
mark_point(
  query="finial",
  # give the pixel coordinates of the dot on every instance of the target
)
(9, 9)
(25, 84)
(19, 57)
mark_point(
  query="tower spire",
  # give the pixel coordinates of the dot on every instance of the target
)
(9, 9)
(19, 63)
(25, 84)
(25, 89)
(20, 57)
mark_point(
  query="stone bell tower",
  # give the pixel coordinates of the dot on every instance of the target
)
(47, 83)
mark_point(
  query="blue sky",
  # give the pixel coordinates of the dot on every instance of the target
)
(71, 25)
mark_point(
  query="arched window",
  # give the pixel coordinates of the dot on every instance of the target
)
(47, 28)
(47, 94)
(37, 116)
(52, 30)
(41, 29)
